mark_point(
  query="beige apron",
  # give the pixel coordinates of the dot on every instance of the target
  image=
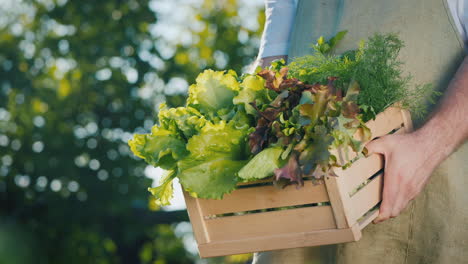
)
(434, 227)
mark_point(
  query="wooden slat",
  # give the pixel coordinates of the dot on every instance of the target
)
(366, 198)
(196, 219)
(339, 201)
(359, 171)
(406, 115)
(267, 180)
(362, 169)
(270, 223)
(368, 218)
(263, 197)
(385, 122)
(283, 241)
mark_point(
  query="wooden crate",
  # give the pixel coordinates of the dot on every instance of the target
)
(260, 217)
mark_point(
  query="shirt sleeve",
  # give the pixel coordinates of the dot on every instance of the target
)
(279, 16)
(463, 15)
(459, 11)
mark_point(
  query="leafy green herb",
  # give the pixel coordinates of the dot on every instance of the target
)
(378, 72)
(324, 47)
(374, 65)
(262, 165)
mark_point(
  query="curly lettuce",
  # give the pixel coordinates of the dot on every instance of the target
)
(216, 156)
(219, 139)
(162, 148)
(187, 121)
(211, 178)
(204, 144)
(252, 90)
(164, 192)
(213, 92)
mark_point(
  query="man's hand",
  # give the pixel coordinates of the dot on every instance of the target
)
(411, 158)
(409, 162)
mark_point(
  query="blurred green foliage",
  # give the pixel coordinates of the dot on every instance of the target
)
(77, 78)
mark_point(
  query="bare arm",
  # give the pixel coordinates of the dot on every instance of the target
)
(411, 158)
(448, 126)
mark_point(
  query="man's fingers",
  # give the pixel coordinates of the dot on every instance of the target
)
(375, 146)
(389, 194)
(386, 208)
(400, 204)
(383, 213)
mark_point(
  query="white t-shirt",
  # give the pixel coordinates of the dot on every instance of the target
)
(280, 19)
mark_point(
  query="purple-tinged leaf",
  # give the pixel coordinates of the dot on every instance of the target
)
(291, 171)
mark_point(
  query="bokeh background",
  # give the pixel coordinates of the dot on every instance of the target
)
(77, 79)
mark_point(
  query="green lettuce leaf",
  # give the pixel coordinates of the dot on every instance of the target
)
(252, 89)
(164, 192)
(241, 120)
(162, 148)
(209, 179)
(186, 120)
(213, 91)
(262, 165)
(221, 139)
(216, 156)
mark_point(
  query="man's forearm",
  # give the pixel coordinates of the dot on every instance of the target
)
(447, 127)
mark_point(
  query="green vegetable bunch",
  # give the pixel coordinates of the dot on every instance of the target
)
(284, 122)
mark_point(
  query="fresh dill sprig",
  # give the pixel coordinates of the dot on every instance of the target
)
(375, 66)
(378, 72)
(318, 67)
